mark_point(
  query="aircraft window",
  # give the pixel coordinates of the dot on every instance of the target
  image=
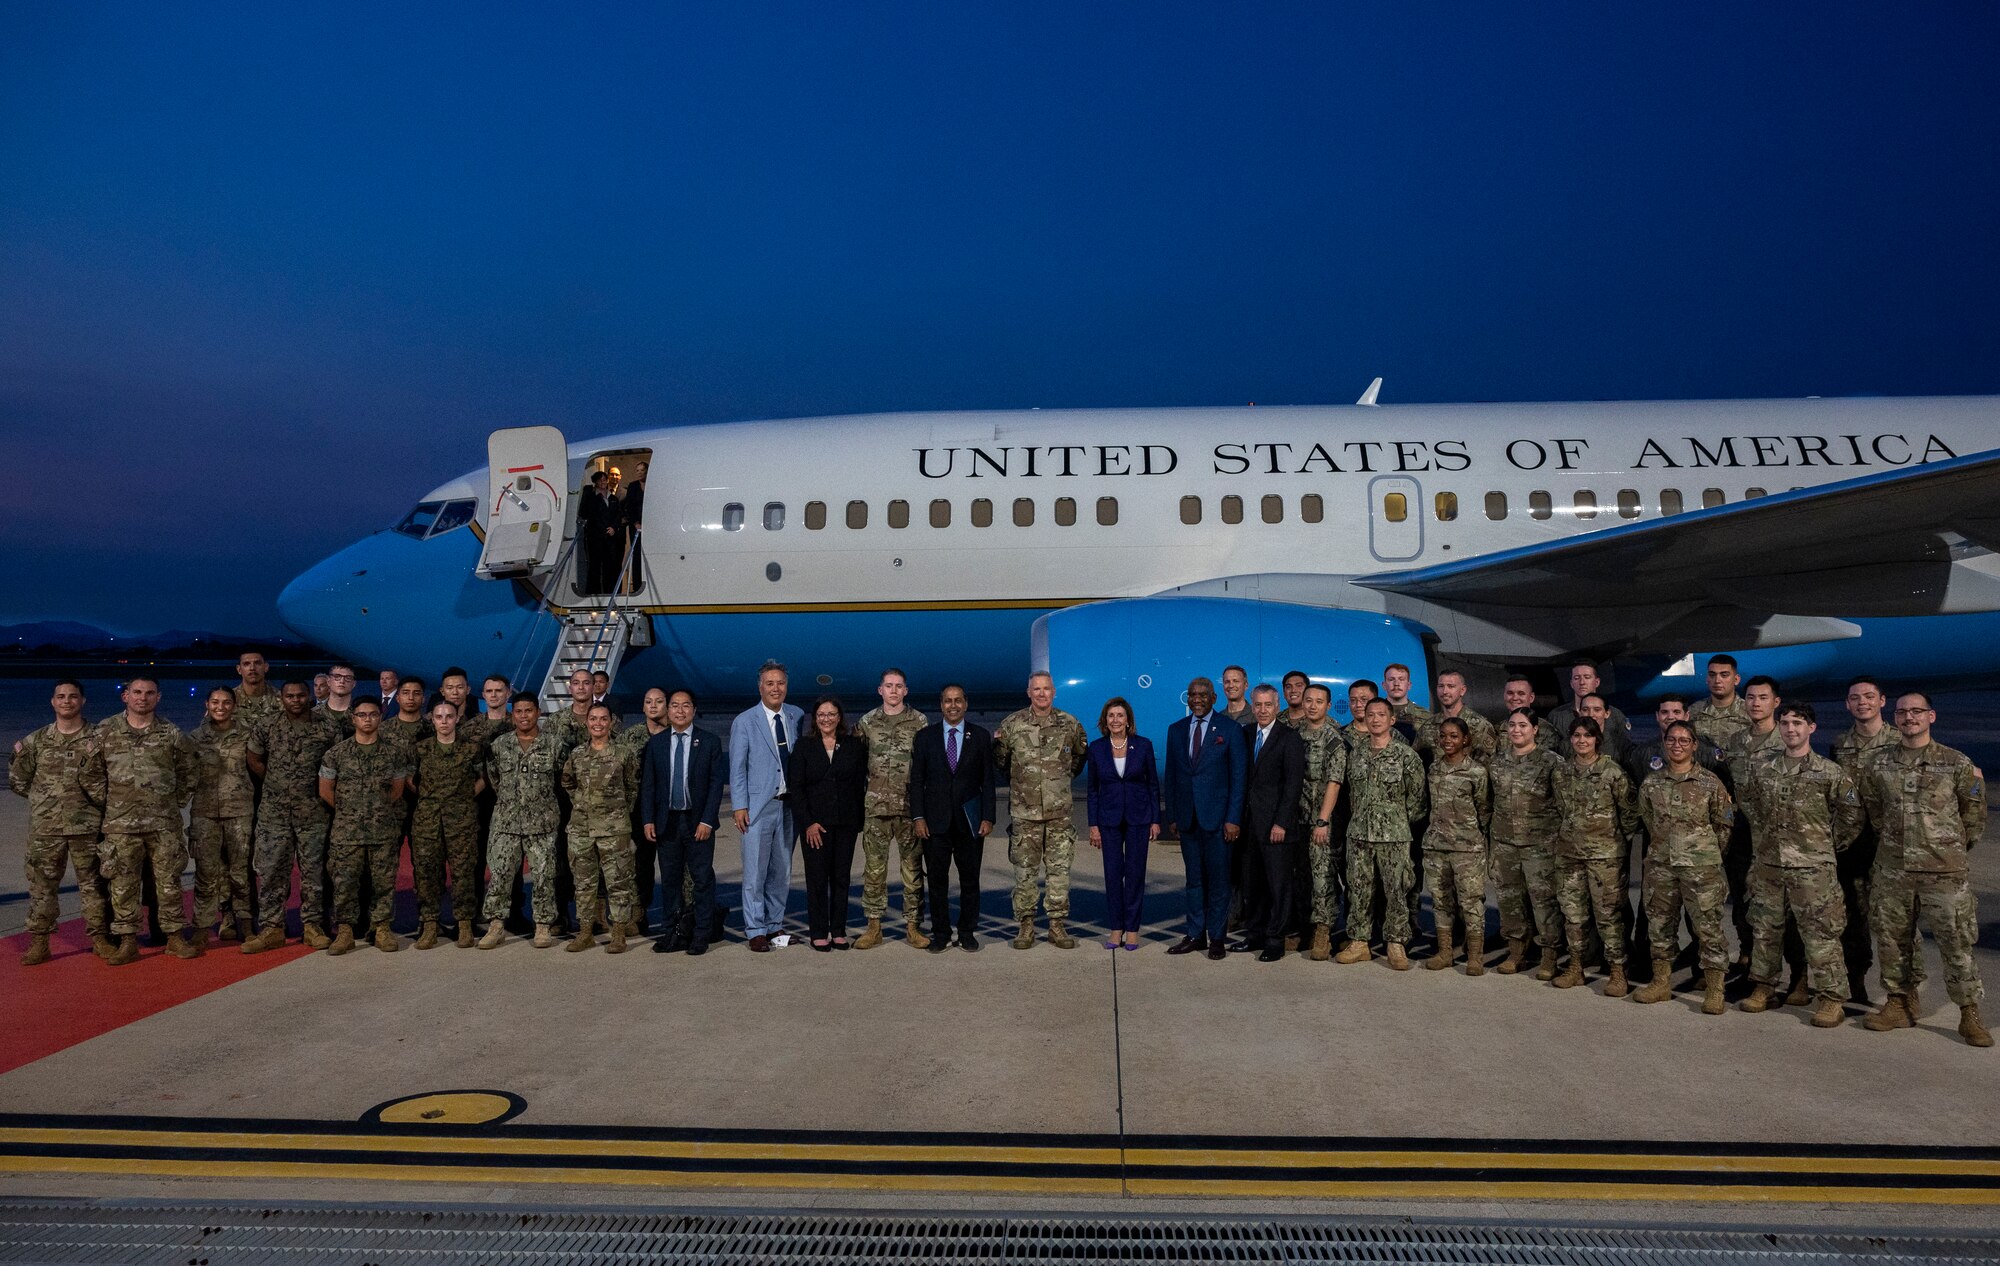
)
(1065, 511)
(1190, 509)
(1748, 493)
(1107, 511)
(1584, 503)
(1446, 505)
(1312, 507)
(899, 514)
(456, 514)
(1232, 509)
(1670, 501)
(1024, 512)
(1539, 505)
(1496, 505)
(417, 523)
(1272, 508)
(857, 514)
(1710, 498)
(940, 513)
(732, 517)
(982, 512)
(1628, 503)
(774, 516)
(815, 515)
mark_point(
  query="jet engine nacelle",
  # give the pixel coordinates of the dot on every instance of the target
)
(1148, 649)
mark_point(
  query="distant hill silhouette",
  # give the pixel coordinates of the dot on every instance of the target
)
(43, 639)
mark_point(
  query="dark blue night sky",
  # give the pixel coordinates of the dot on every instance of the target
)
(268, 272)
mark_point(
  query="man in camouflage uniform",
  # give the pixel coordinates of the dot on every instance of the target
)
(1396, 689)
(1326, 770)
(1293, 688)
(1594, 817)
(891, 732)
(480, 729)
(1806, 813)
(409, 726)
(1040, 750)
(338, 707)
(645, 852)
(568, 728)
(1461, 796)
(450, 773)
(1869, 737)
(225, 800)
(1687, 815)
(141, 769)
(1723, 715)
(256, 699)
(1740, 753)
(1523, 830)
(63, 824)
(522, 768)
(602, 779)
(1519, 692)
(1485, 740)
(1387, 796)
(1584, 680)
(292, 820)
(1235, 695)
(1928, 805)
(362, 778)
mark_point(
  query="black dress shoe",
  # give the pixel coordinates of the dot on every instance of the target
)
(968, 943)
(1271, 954)
(663, 946)
(938, 946)
(1189, 945)
(1244, 946)
(1216, 952)
(697, 947)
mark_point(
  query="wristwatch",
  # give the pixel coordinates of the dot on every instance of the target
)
(1322, 822)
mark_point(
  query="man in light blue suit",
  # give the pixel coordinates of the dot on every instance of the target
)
(761, 740)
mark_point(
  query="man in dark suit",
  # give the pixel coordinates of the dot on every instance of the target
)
(1203, 796)
(1272, 827)
(951, 783)
(597, 530)
(681, 777)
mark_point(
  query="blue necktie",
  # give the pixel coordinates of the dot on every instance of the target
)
(1260, 746)
(677, 773)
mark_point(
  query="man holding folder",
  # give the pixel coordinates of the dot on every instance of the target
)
(951, 811)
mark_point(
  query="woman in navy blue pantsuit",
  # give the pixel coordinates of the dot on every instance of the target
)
(1124, 816)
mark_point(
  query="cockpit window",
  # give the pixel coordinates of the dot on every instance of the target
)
(435, 518)
(456, 514)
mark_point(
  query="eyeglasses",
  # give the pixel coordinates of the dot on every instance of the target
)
(1911, 712)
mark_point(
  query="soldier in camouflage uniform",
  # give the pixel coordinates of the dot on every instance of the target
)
(1928, 805)
(1519, 693)
(337, 709)
(1041, 750)
(1485, 740)
(1723, 715)
(1523, 831)
(602, 779)
(1594, 815)
(225, 802)
(1869, 737)
(1324, 856)
(1387, 796)
(1687, 815)
(292, 820)
(1740, 753)
(522, 768)
(256, 699)
(363, 778)
(63, 824)
(480, 729)
(891, 732)
(141, 769)
(450, 772)
(1396, 689)
(1293, 688)
(1455, 845)
(409, 726)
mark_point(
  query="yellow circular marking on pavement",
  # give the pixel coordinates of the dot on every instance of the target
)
(452, 1107)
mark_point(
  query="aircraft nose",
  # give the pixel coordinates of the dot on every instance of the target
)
(322, 602)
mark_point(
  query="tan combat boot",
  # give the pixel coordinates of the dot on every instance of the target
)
(496, 932)
(268, 939)
(1572, 975)
(1547, 970)
(872, 937)
(1291, 944)
(1617, 986)
(180, 946)
(915, 935)
(1398, 960)
(1059, 934)
(1662, 987)
(585, 938)
(617, 944)
(1517, 953)
(545, 936)
(315, 937)
(1760, 999)
(1799, 994)
(1830, 1012)
(465, 934)
(1970, 1028)
(386, 939)
(102, 945)
(1475, 953)
(1322, 946)
(427, 937)
(1026, 938)
(127, 951)
(199, 939)
(1442, 959)
(38, 950)
(342, 942)
(1711, 997)
(1895, 1014)
(1353, 952)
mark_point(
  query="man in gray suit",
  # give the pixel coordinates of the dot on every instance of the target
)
(761, 740)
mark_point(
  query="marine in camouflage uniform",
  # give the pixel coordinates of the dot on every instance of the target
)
(1523, 862)
(444, 828)
(525, 818)
(1461, 794)
(219, 823)
(1326, 764)
(1687, 817)
(1040, 755)
(1856, 752)
(603, 787)
(342, 721)
(1594, 815)
(1386, 795)
(886, 824)
(143, 778)
(292, 822)
(1805, 812)
(63, 828)
(367, 834)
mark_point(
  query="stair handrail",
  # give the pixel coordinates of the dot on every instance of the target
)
(542, 608)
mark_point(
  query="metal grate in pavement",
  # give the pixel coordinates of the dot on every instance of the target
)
(250, 1236)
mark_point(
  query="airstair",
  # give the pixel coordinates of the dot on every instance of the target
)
(594, 639)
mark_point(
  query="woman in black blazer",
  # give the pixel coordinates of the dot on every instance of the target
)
(828, 783)
(1124, 813)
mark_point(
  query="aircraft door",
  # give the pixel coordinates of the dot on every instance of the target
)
(1395, 518)
(527, 480)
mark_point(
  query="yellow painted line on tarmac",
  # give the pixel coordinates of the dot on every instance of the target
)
(1459, 1189)
(1596, 1161)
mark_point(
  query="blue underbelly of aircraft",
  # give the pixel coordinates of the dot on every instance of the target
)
(1934, 652)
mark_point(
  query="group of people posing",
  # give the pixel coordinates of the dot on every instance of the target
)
(1296, 832)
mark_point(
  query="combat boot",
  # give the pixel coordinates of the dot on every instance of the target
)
(1322, 946)
(38, 950)
(314, 936)
(465, 934)
(1572, 975)
(343, 941)
(1475, 953)
(268, 939)
(1291, 944)
(427, 938)
(915, 935)
(1517, 952)
(1661, 987)
(1026, 938)
(102, 945)
(1547, 971)
(1059, 934)
(1711, 998)
(1800, 993)
(1617, 986)
(496, 932)
(870, 938)
(1895, 1014)
(1398, 960)
(586, 936)
(1970, 1028)
(127, 951)
(617, 944)
(545, 935)
(232, 930)
(180, 946)
(1353, 952)
(1442, 959)
(199, 937)
(1830, 1012)
(1760, 998)
(386, 940)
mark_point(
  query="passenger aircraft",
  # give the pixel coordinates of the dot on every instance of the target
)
(1128, 550)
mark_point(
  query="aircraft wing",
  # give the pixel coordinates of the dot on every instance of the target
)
(1883, 544)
